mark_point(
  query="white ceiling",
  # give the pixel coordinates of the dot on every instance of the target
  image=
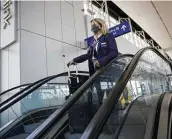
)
(154, 17)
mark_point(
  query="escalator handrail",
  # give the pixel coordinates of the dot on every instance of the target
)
(27, 84)
(16, 87)
(21, 91)
(95, 126)
(58, 114)
(29, 89)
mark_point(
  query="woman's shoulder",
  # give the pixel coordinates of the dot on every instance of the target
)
(108, 36)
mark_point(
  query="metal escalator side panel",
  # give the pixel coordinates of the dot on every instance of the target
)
(170, 127)
(163, 132)
(152, 122)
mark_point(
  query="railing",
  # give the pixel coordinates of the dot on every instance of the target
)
(11, 89)
(95, 126)
(58, 114)
(29, 89)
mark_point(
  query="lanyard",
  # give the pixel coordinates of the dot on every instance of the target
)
(95, 47)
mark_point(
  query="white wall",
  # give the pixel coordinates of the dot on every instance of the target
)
(10, 66)
(52, 34)
(10, 77)
(126, 47)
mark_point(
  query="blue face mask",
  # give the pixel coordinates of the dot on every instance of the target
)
(95, 28)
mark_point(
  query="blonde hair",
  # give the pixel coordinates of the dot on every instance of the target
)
(99, 21)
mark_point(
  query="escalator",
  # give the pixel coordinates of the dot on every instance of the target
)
(120, 95)
(29, 112)
(36, 102)
(148, 115)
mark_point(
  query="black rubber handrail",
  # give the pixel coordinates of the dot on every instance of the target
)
(28, 90)
(95, 126)
(58, 114)
(20, 92)
(16, 87)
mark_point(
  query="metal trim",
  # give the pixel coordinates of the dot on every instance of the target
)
(95, 126)
(164, 117)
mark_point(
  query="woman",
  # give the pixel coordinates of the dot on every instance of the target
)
(102, 51)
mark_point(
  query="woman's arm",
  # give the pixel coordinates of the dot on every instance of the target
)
(113, 50)
(81, 58)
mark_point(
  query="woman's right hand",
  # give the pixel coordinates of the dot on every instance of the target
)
(70, 63)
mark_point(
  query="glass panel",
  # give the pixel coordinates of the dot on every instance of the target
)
(10, 93)
(135, 124)
(53, 93)
(84, 109)
(148, 79)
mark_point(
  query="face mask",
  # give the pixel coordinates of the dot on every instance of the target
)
(95, 28)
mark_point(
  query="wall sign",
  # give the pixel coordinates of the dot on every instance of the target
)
(7, 13)
(117, 31)
(8, 23)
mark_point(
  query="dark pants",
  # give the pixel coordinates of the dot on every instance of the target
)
(100, 92)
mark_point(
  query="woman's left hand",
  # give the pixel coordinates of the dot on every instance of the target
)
(97, 64)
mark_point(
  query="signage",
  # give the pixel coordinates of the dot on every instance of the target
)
(8, 23)
(117, 31)
(120, 29)
(7, 13)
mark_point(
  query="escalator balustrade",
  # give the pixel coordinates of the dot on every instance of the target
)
(144, 78)
(89, 100)
(22, 118)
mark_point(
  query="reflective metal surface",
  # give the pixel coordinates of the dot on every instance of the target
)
(148, 80)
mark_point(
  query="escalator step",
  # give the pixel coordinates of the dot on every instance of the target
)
(21, 136)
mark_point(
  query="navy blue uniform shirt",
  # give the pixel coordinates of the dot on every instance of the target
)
(105, 52)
